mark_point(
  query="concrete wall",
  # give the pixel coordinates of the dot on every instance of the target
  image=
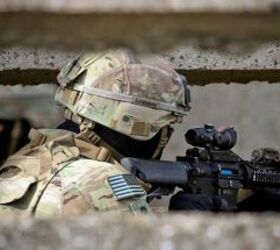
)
(201, 66)
(126, 232)
(145, 25)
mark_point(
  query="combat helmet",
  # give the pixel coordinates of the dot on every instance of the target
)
(133, 94)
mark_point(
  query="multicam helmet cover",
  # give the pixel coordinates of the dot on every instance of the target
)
(132, 94)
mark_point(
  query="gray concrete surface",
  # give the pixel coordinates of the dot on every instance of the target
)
(24, 59)
(145, 25)
(126, 232)
(201, 66)
(232, 58)
(31, 66)
(182, 57)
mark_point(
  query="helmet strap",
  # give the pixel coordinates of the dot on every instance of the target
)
(166, 133)
(116, 155)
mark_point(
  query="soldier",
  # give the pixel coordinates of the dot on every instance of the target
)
(117, 103)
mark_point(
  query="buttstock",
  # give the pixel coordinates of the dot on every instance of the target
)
(162, 173)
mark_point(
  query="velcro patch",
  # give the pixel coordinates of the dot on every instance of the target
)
(125, 186)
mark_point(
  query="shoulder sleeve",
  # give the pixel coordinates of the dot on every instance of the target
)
(101, 186)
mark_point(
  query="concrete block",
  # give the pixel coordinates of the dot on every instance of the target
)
(34, 66)
(191, 231)
(145, 25)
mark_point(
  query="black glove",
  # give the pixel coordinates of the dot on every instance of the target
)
(264, 200)
(189, 201)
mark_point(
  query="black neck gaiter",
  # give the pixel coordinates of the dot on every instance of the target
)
(125, 145)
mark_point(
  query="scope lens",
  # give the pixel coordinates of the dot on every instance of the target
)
(227, 138)
(191, 136)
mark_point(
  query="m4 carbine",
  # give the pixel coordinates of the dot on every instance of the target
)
(210, 168)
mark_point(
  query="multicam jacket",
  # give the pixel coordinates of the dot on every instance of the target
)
(60, 173)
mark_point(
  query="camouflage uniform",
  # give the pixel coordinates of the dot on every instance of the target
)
(62, 173)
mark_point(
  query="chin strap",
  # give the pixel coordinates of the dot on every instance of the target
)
(105, 150)
(86, 128)
(166, 133)
(116, 155)
(86, 133)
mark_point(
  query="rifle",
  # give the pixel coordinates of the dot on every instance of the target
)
(210, 168)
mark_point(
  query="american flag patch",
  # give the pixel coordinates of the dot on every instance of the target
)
(125, 186)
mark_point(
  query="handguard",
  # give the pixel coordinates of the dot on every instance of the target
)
(161, 173)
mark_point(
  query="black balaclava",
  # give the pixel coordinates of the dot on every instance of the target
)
(125, 145)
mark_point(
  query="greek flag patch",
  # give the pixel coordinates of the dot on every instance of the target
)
(125, 186)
